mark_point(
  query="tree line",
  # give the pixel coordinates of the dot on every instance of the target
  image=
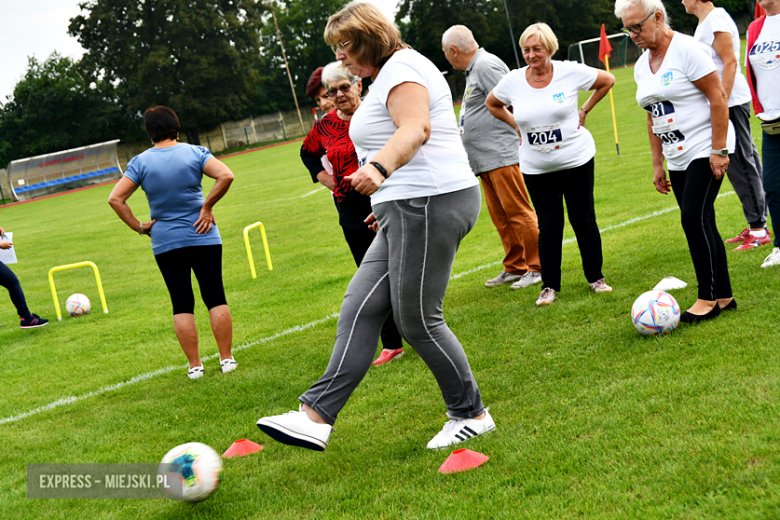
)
(219, 60)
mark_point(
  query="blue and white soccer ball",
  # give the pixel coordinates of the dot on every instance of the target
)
(199, 469)
(655, 312)
(77, 304)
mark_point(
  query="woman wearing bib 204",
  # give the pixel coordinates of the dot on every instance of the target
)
(763, 74)
(688, 124)
(425, 199)
(556, 150)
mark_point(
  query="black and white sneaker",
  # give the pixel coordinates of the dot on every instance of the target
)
(459, 430)
(296, 429)
(33, 321)
(195, 372)
(228, 365)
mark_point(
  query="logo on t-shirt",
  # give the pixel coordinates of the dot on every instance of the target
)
(666, 79)
(766, 55)
(559, 97)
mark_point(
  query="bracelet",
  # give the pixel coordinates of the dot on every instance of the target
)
(583, 109)
(141, 231)
(380, 168)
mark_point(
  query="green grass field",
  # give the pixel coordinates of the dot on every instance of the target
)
(593, 420)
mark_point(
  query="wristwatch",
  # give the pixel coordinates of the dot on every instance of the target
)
(724, 152)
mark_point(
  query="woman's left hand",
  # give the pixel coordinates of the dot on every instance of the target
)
(372, 222)
(205, 221)
(366, 180)
(582, 115)
(6, 244)
(719, 163)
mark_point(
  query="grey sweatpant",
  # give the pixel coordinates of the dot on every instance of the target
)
(405, 271)
(745, 171)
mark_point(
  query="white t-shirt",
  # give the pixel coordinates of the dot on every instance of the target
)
(765, 61)
(548, 119)
(680, 111)
(719, 21)
(441, 165)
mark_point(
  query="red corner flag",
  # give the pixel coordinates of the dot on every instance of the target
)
(759, 11)
(604, 47)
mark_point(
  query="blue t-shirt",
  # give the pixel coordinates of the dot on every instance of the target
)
(171, 178)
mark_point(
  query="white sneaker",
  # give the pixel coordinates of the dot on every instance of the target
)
(600, 286)
(773, 258)
(547, 297)
(527, 280)
(195, 372)
(503, 278)
(459, 430)
(228, 365)
(296, 429)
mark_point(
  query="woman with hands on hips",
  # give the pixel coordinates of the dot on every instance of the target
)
(688, 125)
(556, 150)
(184, 233)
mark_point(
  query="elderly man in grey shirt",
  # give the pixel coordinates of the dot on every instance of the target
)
(493, 150)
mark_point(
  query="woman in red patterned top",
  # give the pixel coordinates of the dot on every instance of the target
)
(330, 138)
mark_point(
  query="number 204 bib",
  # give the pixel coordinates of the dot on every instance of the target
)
(665, 127)
(545, 138)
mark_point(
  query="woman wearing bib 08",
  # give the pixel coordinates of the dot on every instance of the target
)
(556, 150)
(688, 124)
(425, 199)
(763, 73)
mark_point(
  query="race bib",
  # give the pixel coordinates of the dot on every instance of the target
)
(664, 117)
(765, 55)
(462, 117)
(546, 138)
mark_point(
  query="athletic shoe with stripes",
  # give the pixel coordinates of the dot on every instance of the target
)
(739, 238)
(195, 372)
(459, 430)
(296, 429)
(752, 242)
(228, 365)
(33, 321)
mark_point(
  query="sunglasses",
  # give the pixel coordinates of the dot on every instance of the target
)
(343, 88)
(340, 46)
(637, 27)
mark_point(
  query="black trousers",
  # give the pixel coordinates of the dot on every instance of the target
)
(359, 240)
(176, 267)
(696, 189)
(9, 280)
(548, 192)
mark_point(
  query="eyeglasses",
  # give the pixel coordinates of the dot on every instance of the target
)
(637, 27)
(343, 88)
(340, 46)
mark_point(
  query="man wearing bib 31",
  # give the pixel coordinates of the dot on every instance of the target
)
(763, 73)
(556, 151)
(688, 124)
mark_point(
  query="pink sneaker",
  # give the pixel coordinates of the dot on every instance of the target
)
(739, 238)
(752, 242)
(387, 356)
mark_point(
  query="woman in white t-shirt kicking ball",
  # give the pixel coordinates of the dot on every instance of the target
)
(556, 150)
(425, 199)
(688, 124)
(718, 31)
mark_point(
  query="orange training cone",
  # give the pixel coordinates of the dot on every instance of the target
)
(462, 460)
(242, 447)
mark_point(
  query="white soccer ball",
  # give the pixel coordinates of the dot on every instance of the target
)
(655, 312)
(199, 472)
(77, 304)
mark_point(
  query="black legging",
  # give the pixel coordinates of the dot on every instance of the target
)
(206, 263)
(696, 190)
(9, 280)
(548, 191)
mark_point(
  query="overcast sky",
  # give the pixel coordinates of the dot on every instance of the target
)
(39, 27)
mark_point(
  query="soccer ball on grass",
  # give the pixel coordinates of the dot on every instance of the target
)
(77, 304)
(655, 312)
(198, 468)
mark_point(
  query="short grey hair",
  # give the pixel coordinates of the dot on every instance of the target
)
(335, 71)
(460, 37)
(648, 7)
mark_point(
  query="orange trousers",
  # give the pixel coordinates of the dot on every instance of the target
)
(511, 212)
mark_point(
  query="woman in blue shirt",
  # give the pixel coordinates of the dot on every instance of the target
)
(183, 231)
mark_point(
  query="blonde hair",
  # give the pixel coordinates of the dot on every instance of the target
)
(543, 33)
(373, 37)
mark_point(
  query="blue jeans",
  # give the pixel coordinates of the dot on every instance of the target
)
(770, 156)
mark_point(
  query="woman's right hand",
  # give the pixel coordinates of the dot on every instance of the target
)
(147, 227)
(661, 183)
(7, 244)
(373, 225)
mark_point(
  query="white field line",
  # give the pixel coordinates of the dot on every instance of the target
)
(297, 328)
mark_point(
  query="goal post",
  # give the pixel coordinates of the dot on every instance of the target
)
(624, 52)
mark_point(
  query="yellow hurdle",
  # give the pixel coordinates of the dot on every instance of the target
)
(73, 266)
(249, 247)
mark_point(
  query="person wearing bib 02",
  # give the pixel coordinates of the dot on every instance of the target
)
(763, 74)
(688, 124)
(425, 199)
(718, 31)
(556, 150)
